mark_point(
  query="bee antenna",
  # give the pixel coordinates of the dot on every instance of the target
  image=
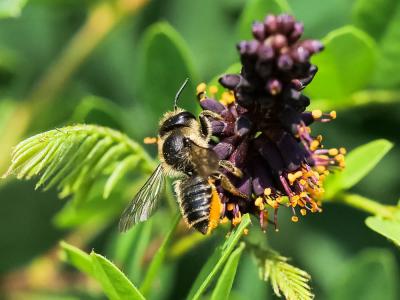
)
(179, 93)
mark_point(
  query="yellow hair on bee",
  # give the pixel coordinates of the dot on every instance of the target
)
(215, 208)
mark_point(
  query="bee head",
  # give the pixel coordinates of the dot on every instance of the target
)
(179, 118)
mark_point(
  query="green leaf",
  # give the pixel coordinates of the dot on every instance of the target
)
(113, 282)
(359, 162)
(285, 279)
(225, 281)
(11, 8)
(388, 228)
(74, 157)
(374, 16)
(381, 19)
(77, 258)
(345, 66)
(256, 10)
(166, 63)
(217, 260)
(158, 258)
(371, 275)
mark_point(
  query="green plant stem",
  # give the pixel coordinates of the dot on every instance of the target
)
(374, 96)
(100, 21)
(366, 205)
(158, 258)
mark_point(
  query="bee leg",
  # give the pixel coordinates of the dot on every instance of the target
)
(205, 124)
(210, 114)
(228, 186)
(230, 167)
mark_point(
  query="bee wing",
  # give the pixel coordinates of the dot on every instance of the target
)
(143, 204)
(204, 159)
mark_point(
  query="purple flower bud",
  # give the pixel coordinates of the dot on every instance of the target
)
(285, 62)
(262, 179)
(245, 186)
(301, 54)
(248, 47)
(230, 81)
(270, 153)
(258, 31)
(286, 23)
(265, 52)
(307, 118)
(306, 80)
(239, 156)
(218, 127)
(274, 86)
(291, 151)
(298, 30)
(270, 23)
(278, 41)
(212, 105)
(297, 84)
(224, 148)
(313, 46)
(242, 126)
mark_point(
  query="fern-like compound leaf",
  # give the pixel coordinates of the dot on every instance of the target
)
(72, 158)
(286, 280)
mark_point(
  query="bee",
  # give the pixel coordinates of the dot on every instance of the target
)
(185, 154)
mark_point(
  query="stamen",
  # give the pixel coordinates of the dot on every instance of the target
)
(316, 113)
(213, 90)
(150, 140)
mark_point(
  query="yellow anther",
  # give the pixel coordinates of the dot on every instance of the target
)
(213, 89)
(303, 212)
(303, 194)
(267, 192)
(230, 206)
(246, 231)
(303, 182)
(201, 88)
(343, 150)
(320, 169)
(339, 157)
(295, 219)
(272, 203)
(333, 114)
(227, 98)
(258, 201)
(314, 145)
(333, 152)
(291, 178)
(236, 220)
(150, 140)
(319, 138)
(224, 220)
(316, 114)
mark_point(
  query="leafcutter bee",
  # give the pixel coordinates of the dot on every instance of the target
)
(184, 154)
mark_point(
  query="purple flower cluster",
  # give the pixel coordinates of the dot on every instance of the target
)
(262, 126)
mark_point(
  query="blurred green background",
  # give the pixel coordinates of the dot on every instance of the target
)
(65, 62)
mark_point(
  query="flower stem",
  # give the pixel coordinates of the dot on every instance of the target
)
(366, 205)
(374, 96)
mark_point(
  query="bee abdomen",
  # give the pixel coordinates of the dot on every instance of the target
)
(194, 198)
